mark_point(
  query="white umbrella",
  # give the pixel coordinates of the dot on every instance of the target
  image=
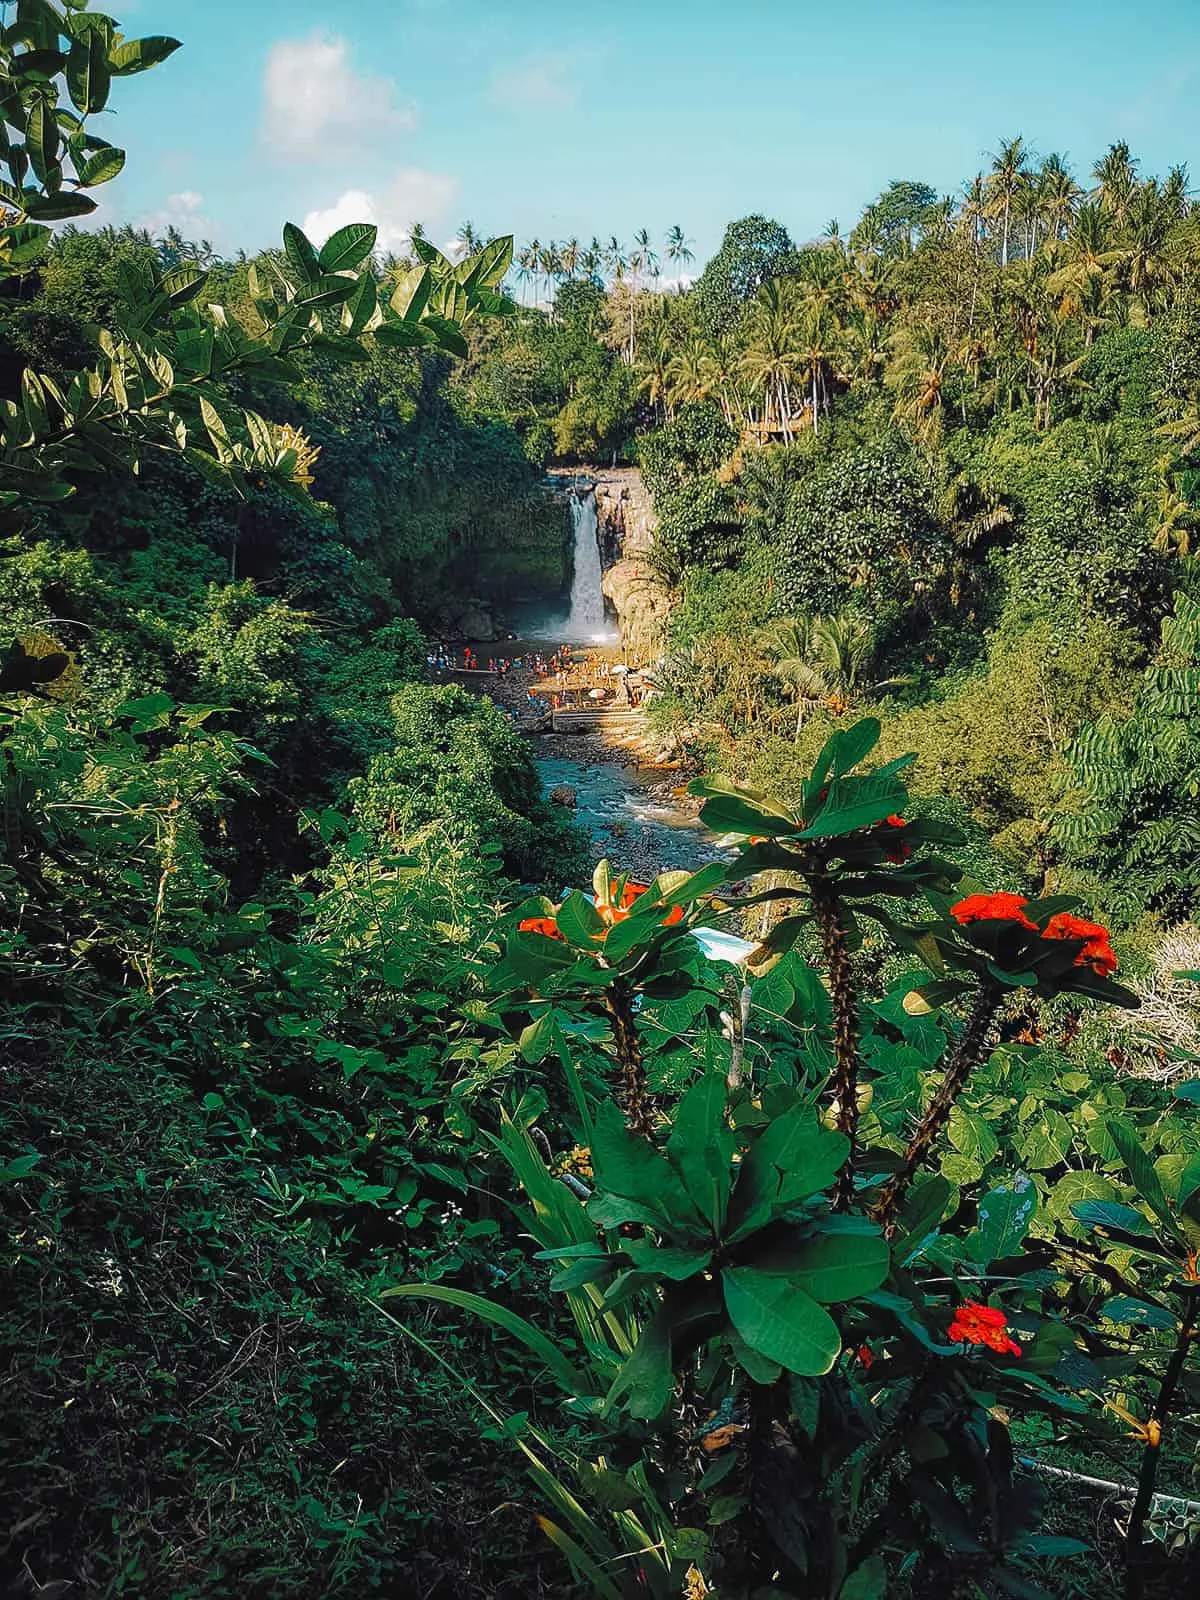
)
(596, 694)
(620, 671)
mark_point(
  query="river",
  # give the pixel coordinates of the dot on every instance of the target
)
(628, 810)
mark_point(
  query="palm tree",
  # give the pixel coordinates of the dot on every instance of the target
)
(1009, 170)
(1175, 519)
(1083, 281)
(643, 258)
(692, 374)
(921, 364)
(469, 239)
(789, 650)
(772, 358)
(591, 260)
(616, 260)
(679, 249)
(1116, 181)
(1058, 194)
(1143, 260)
(654, 365)
(529, 263)
(1175, 194)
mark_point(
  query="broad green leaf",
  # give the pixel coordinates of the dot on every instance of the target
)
(646, 1376)
(1128, 1312)
(361, 306)
(402, 335)
(489, 265)
(846, 749)
(867, 1582)
(58, 207)
(327, 289)
(1188, 1184)
(447, 334)
(411, 294)
(831, 1267)
(1111, 1214)
(1141, 1170)
(537, 1040)
(666, 1261)
(1075, 1188)
(139, 55)
(701, 1147)
(628, 935)
(923, 1209)
(87, 73)
(853, 804)
(24, 243)
(792, 1159)
(41, 138)
(725, 813)
(301, 256)
(580, 923)
(348, 247)
(1004, 1218)
(631, 1167)
(781, 1322)
(101, 166)
(544, 1349)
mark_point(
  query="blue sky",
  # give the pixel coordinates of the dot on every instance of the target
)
(553, 119)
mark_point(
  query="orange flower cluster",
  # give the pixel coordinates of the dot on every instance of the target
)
(1097, 952)
(985, 1325)
(611, 912)
(992, 908)
(614, 913)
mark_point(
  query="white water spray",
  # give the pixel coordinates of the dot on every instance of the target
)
(586, 619)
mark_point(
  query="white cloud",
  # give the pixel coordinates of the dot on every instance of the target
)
(315, 105)
(184, 211)
(542, 80)
(412, 196)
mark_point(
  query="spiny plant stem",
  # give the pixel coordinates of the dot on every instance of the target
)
(1152, 1454)
(827, 913)
(638, 1114)
(971, 1051)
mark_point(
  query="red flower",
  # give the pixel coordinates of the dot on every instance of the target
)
(865, 1356)
(1097, 952)
(985, 1325)
(612, 914)
(897, 851)
(546, 926)
(992, 908)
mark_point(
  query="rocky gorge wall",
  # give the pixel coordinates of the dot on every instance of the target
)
(626, 527)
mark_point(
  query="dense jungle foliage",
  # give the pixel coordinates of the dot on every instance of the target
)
(386, 1214)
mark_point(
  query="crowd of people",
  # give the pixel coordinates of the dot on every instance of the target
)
(442, 661)
(552, 679)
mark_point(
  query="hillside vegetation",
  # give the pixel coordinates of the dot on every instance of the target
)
(396, 1204)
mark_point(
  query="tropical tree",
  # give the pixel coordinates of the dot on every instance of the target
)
(1008, 174)
(679, 250)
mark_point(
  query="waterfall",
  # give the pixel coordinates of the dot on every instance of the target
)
(586, 620)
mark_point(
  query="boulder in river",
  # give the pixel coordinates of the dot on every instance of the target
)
(563, 795)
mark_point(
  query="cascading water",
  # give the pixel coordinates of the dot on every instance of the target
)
(586, 621)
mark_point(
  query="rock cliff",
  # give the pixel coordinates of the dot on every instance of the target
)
(626, 525)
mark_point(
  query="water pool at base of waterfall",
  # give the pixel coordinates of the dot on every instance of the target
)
(630, 816)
